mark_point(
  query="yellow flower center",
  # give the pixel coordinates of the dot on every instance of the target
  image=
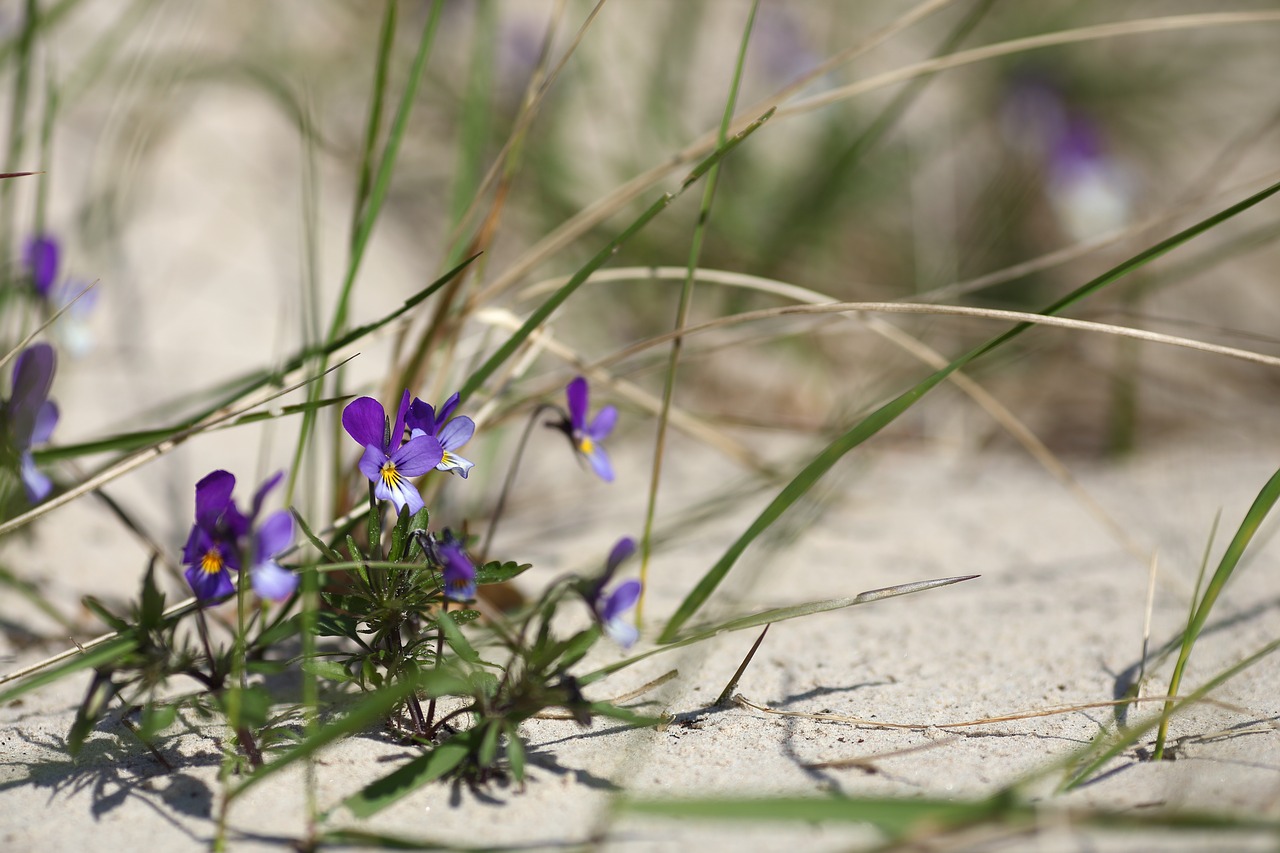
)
(212, 563)
(586, 445)
(390, 476)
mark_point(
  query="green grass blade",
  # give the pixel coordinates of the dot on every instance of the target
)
(409, 777)
(767, 617)
(1253, 519)
(547, 308)
(1132, 735)
(682, 315)
(103, 654)
(889, 412)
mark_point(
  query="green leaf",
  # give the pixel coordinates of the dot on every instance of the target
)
(330, 669)
(100, 610)
(498, 572)
(515, 751)
(455, 639)
(411, 776)
(155, 719)
(151, 611)
(489, 743)
(329, 554)
(338, 625)
(889, 412)
(90, 711)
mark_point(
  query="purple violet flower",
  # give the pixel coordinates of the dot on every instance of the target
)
(30, 416)
(390, 464)
(459, 573)
(609, 609)
(211, 551)
(586, 438)
(452, 434)
(42, 256)
(218, 536)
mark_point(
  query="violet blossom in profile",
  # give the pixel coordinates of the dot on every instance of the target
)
(390, 463)
(423, 419)
(458, 572)
(609, 609)
(30, 416)
(586, 438)
(221, 534)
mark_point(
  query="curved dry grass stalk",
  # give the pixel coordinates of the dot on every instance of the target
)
(1097, 32)
(739, 699)
(949, 310)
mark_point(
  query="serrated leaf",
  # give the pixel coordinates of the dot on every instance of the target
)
(497, 572)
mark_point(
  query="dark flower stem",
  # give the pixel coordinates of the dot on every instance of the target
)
(431, 706)
(511, 477)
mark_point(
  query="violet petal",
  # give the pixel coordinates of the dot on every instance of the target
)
(213, 496)
(577, 393)
(365, 420)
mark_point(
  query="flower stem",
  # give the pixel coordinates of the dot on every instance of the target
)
(511, 478)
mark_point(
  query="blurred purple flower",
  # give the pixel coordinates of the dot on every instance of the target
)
(42, 256)
(30, 416)
(609, 609)
(459, 573)
(452, 434)
(389, 463)
(218, 537)
(1090, 190)
(586, 438)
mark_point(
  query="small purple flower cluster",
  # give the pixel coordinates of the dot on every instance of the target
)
(222, 535)
(389, 461)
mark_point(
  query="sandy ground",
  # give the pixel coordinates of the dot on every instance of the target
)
(1056, 619)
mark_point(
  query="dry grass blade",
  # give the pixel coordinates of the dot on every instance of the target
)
(955, 311)
(1022, 45)
(616, 700)
(982, 721)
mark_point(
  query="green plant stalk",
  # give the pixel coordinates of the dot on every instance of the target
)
(547, 308)
(1226, 567)
(682, 315)
(889, 412)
